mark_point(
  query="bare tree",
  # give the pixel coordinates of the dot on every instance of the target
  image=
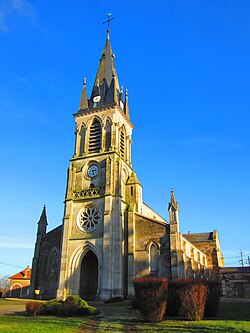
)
(5, 283)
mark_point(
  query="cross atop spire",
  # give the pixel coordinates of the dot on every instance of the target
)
(108, 22)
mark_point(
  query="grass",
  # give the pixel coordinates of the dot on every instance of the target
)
(117, 318)
(24, 324)
(11, 303)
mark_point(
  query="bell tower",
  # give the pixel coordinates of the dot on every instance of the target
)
(92, 254)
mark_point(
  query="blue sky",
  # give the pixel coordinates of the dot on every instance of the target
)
(187, 67)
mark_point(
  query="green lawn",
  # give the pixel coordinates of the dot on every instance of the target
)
(118, 318)
(24, 324)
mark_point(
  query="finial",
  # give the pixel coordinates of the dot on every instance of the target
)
(172, 190)
(108, 22)
(44, 206)
(84, 81)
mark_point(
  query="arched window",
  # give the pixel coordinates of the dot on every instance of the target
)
(95, 137)
(122, 142)
(153, 257)
(82, 141)
(108, 135)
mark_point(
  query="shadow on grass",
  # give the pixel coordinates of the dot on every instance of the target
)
(234, 311)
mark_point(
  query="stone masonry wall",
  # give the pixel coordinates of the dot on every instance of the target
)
(147, 231)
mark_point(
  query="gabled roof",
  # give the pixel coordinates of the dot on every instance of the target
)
(133, 179)
(24, 274)
(199, 237)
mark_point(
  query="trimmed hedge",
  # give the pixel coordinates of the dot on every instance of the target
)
(193, 293)
(213, 298)
(173, 301)
(151, 297)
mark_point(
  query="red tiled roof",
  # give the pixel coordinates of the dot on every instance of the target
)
(24, 274)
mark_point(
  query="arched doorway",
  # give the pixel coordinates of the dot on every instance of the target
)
(16, 291)
(89, 276)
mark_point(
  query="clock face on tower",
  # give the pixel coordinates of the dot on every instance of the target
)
(97, 99)
(93, 170)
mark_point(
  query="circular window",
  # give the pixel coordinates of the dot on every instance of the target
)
(89, 219)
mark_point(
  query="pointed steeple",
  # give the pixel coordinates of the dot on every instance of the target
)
(173, 201)
(42, 223)
(173, 212)
(106, 89)
(107, 68)
(84, 100)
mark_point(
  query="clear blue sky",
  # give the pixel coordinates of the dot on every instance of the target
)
(187, 67)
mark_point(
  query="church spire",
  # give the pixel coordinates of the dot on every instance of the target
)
(173, 202)
(106, 89)
(42, 223)
(173, 212)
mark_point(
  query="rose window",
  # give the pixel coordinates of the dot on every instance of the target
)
(89, 219)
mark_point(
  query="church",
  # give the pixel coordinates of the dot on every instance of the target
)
(109, 235)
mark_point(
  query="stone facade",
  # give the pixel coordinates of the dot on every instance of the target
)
(109, 235)
(235, 282)
(46, 260)
(209, 244)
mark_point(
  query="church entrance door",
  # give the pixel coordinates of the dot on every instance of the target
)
(89, 276)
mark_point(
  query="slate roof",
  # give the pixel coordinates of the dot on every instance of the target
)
(199, 237)
(106, 89)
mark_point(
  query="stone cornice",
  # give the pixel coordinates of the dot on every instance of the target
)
(104, 108)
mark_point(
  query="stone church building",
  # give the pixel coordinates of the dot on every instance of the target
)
(109, 235)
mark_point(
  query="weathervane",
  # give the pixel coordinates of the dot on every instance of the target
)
(108, 21)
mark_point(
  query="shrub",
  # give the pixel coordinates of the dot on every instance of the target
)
(77, 299)
(70, 307)
(76, 306)
(173, 302)
(88, 311)
(32, 308)
(151, 297)
(213, 298)
(52, 308)
(193, 294)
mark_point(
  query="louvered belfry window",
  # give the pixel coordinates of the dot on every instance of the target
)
(108, 135)
(122, 144)
(95, 137)
(82, 141)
